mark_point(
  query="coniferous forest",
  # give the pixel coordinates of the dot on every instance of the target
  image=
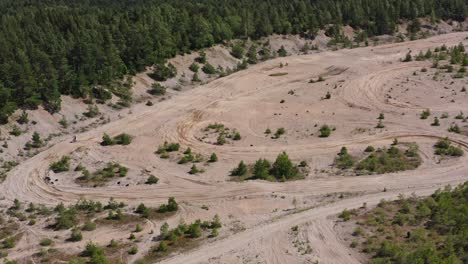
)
(54, 47)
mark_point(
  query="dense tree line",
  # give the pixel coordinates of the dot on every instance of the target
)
(54, 47)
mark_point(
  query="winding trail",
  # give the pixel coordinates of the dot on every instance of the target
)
(249, 102)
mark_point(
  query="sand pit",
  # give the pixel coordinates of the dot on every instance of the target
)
(258, 215)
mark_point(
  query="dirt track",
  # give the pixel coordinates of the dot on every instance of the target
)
(358, 80)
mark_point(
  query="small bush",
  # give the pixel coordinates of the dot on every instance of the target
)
(425, 114)
(194, 169)
(123, 139)
(62, 165)
(46, 242)
(279, 132)
(92, 111)
(133, 250)
(163, 72)
(209, 69)
(75, 236)
(168, 147)
(344, 160)
(171, 206)
(221, 140)
(194, 67)
(240, 170)
(162, 247)
(9, 242)
(157, 89)
(15, 131)
(444, 147)
(237, 136)
(23, 118)
(152, 180)
(454, 128)
(213, 158)
(369, 149)
(325, 131)
(345, 215)
(107, 140)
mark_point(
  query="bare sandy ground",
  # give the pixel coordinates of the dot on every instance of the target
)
(363, 82)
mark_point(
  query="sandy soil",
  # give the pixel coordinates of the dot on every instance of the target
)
(258, 215)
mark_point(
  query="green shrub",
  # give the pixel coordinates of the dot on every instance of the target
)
(237, 136)
(36, 140)
(194, 67)
(369, 149)
(392, 160)
(344, 160)
(221, 140)
(171, 206)
(75, 236)
(194, 169)
(454, 128)
(261, 169)
(282, 52)
(345, 215)
(62, 165)
(152, 180)
(163, 72)
(157, 89)
(325, 131)
(46, 242)
(279, 132)
(283, 168)
(123, 139)
(168, 147)
(92, 111)
(238, 51)
(425, 114)
(162, 247)
(23, 118)
(240, 170)
(15, 131)
(213, 158)
(209, 69)
(133, 250)
(107, 140)
(444, 147)
(9, 242)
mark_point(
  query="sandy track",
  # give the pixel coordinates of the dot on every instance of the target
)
(249, 101)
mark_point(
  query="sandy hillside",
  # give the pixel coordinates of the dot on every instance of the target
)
(258, 215)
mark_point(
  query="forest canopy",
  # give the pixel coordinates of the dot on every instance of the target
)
(54, 47)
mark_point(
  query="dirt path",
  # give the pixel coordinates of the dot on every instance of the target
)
(361, 82)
